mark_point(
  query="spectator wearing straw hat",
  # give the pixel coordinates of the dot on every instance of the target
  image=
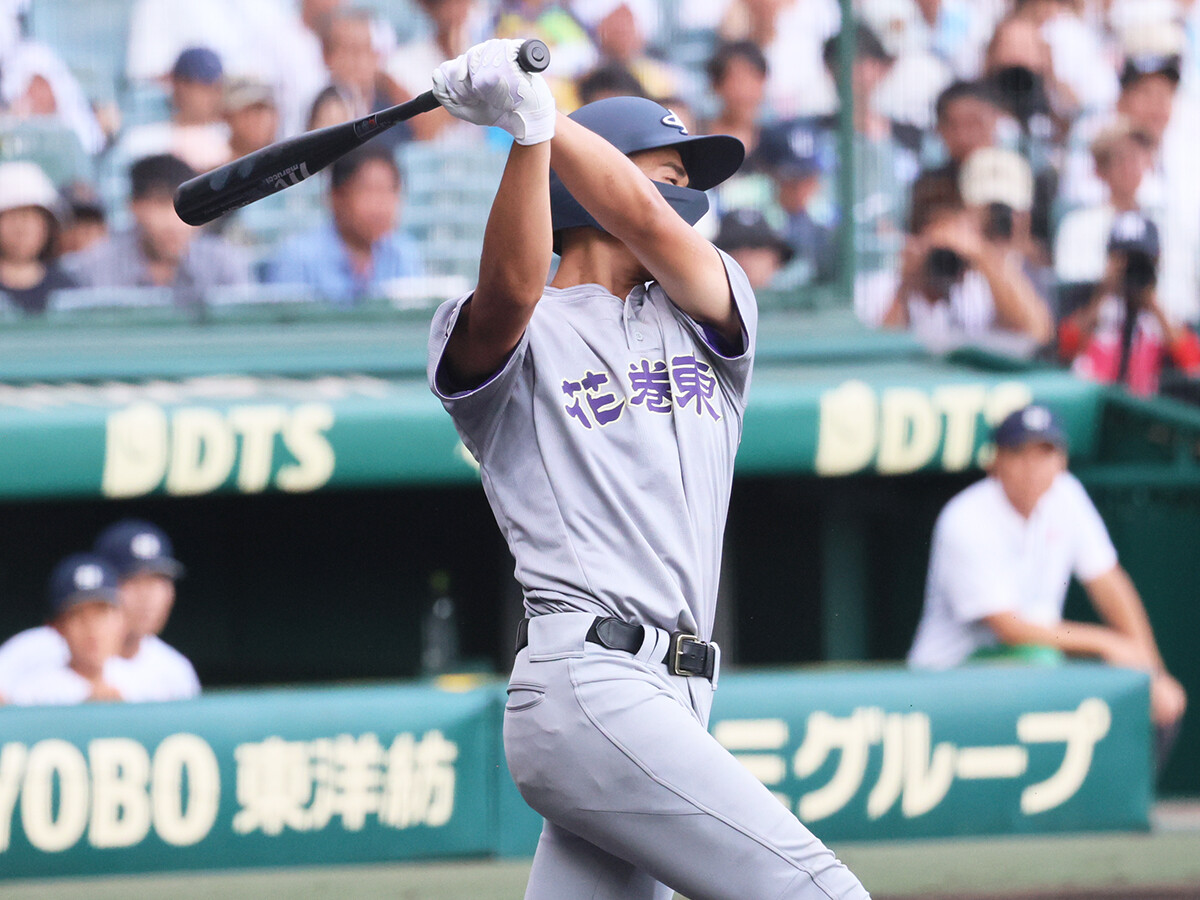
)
(30, 210)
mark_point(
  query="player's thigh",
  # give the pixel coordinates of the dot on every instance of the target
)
(618, 760)
(567, 867)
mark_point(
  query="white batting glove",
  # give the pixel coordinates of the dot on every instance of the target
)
(485, 86)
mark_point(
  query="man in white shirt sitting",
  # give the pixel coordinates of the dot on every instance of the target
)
(86, 617)
(1003, 554)
(143, 558)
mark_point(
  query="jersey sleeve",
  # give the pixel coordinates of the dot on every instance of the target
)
(966, 570)
(734, 363)
(476, 412)
(1095, 554)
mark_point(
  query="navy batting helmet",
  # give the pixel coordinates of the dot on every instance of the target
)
(633, 123)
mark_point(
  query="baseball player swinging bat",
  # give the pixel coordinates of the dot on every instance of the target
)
(289, 162)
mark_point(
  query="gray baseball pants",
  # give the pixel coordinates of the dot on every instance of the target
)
(639, 799)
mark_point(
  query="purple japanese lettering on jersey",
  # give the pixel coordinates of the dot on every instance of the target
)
(693, 380)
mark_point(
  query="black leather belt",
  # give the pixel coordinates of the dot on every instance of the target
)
(686, 653)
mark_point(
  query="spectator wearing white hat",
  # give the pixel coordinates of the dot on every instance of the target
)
(29, 222)
(997, 185)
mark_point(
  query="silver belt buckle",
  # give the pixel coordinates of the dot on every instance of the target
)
(677, 655)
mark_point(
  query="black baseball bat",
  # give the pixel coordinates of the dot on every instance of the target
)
(282, 164)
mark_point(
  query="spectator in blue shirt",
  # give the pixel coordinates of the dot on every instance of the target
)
(357, 250)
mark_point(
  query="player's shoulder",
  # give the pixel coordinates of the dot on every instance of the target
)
(973, 503)
(30, 638)
(48, 686)
(160, 653)
(1068, 492)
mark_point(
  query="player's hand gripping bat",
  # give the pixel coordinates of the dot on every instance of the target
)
(288, 162)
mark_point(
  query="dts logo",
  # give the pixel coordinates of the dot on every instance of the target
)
(195, 449)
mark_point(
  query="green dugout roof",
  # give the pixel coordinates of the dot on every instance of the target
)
(304, 399)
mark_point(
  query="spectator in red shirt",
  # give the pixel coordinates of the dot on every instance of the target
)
(1123, 336)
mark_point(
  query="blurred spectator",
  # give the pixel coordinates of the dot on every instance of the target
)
(358, 249)
(747, 237)
(196, 132)
(912, 85)
(29, 222)
(969, 119)
(1123, 153)
(1003, 554)
(251, 114)
(269, 40)
(1020, 70)
(960, 29)
(884, 158)
(791, 33)
(553, 22)
(737, 75)
(608, 80)
(160, 250)
(143, 558)
(788, 154)
(967, 116)
(358, 84)
(997, 186)
(955, 288)
(35, 83)
(457, 26)
(86, 222)
(621, 31)
(1081, 65)
(1170, 192)
(85, 630)
(1123, 336)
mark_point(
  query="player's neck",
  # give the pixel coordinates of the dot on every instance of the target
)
(131, 646)
(596, 258)
(87, 669)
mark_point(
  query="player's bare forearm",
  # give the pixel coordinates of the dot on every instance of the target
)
(512, 268)
(627, 205)
(1118, 603)
(1017, 303)
(1071, 638)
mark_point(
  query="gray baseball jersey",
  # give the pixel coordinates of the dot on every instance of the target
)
(606, 445)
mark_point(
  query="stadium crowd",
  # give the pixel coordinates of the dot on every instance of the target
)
(1021, 167)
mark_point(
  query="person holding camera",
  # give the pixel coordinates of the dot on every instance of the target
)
(956, 287)
(1123, 336)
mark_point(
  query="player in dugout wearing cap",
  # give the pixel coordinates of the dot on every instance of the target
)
(605, 410)
(143, 559)
(86, 616)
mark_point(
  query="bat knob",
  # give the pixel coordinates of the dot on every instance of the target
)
(533, 56)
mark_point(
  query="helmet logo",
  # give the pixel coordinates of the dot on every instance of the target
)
(673, 121)
(145, 545)
(88, 577)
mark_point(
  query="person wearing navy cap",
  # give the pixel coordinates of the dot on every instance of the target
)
(86, 615)
(1124, 335)
(144, 560)
(1003, 553)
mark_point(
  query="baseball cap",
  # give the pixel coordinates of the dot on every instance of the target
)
(242, 93)
(789, 149)
(81, 578)
(132, 546)
(996, 175)
(1132, 232)
(198, 64)
(1032, 424)
(1153, 48)
(742, 228)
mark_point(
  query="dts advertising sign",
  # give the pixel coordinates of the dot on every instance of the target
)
(310, 777)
